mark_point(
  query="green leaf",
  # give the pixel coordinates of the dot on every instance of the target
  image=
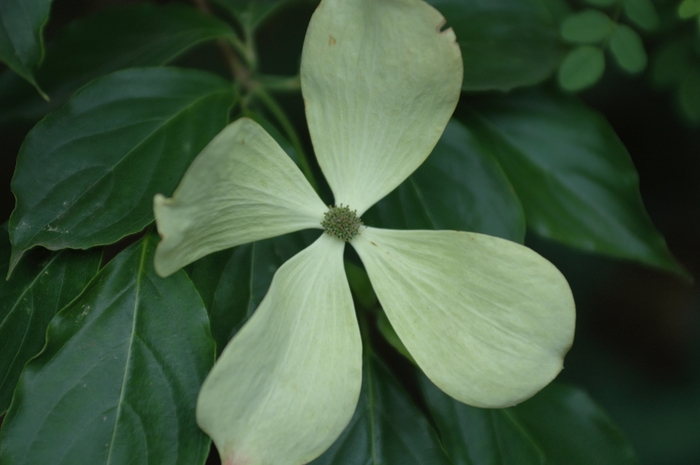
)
(602, 3)
(587, 27)
(642, 13)
(689, 95)
(387, 427)
(118, 379)
(672, 61)
(574, 177)
(252, 13)
(627, 48)
(233, 282)
(118, 38)
(86, 174)
(40, 286)
(21, 30)
(559, 426)
(582, 67)
(689, 8)
(505, 43)
(460, 186)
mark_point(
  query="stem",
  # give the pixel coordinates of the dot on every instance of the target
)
(281, 117)
(280, 83)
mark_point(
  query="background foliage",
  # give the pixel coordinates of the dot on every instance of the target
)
(563, 103)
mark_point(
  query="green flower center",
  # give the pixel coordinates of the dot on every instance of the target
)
(341, 222)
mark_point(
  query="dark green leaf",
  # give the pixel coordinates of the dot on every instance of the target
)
(582, 67)
(627, 48)
(505, 43)
(672, 61)
(602, 3)
(387, 427)
(689, 94)
(118, 380)
(40, 286)
(251, 13)
(125, 37)
(559, 426)
(233, 282)
(21, 29)
(86, 174)
(460, 186)
(642, 13)
(587, 27)
(574, 177)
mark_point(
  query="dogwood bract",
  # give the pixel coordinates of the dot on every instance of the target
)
(488, 320)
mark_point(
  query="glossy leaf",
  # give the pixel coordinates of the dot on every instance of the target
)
(505, 43)
(627, 48)
(86, 175)
(574, 177)
(587, 27)
(21, 35)
(387, 428)
(119, 377)
(40, 286)
(460, 186)
(233, 282)
(124, 37)
(559, 426)
(642, 13)
(582, 67)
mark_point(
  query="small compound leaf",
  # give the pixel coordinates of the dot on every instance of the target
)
(387, 428)
(574, 177)
(124, 37)
(40, 286)
(505, 43)
(671, 62)
(582, 67)
(21, 36)
(86, 174)
(233, 282)
(559, 426)
(118, 379)
(642, 13)
(587, 27)
(460, 186)
(627, 48)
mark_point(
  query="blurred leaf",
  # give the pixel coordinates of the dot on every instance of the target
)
(505, 43)
(124, 37)
(575, 179)
(387, 428)
(460, 186)
(118, 380)
(40, 286)
(689, 8)
(389, 333)
(627, 48)
(86, 174)
(582, 67)
(360, 285)
(21, 42)
(671, 62)
(602, 3)
(689, 95)
(642, 13)
(252, 13)
(233, 282)
(587, 27)
(559, 426)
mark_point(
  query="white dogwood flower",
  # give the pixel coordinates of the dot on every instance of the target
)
(486, 319)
